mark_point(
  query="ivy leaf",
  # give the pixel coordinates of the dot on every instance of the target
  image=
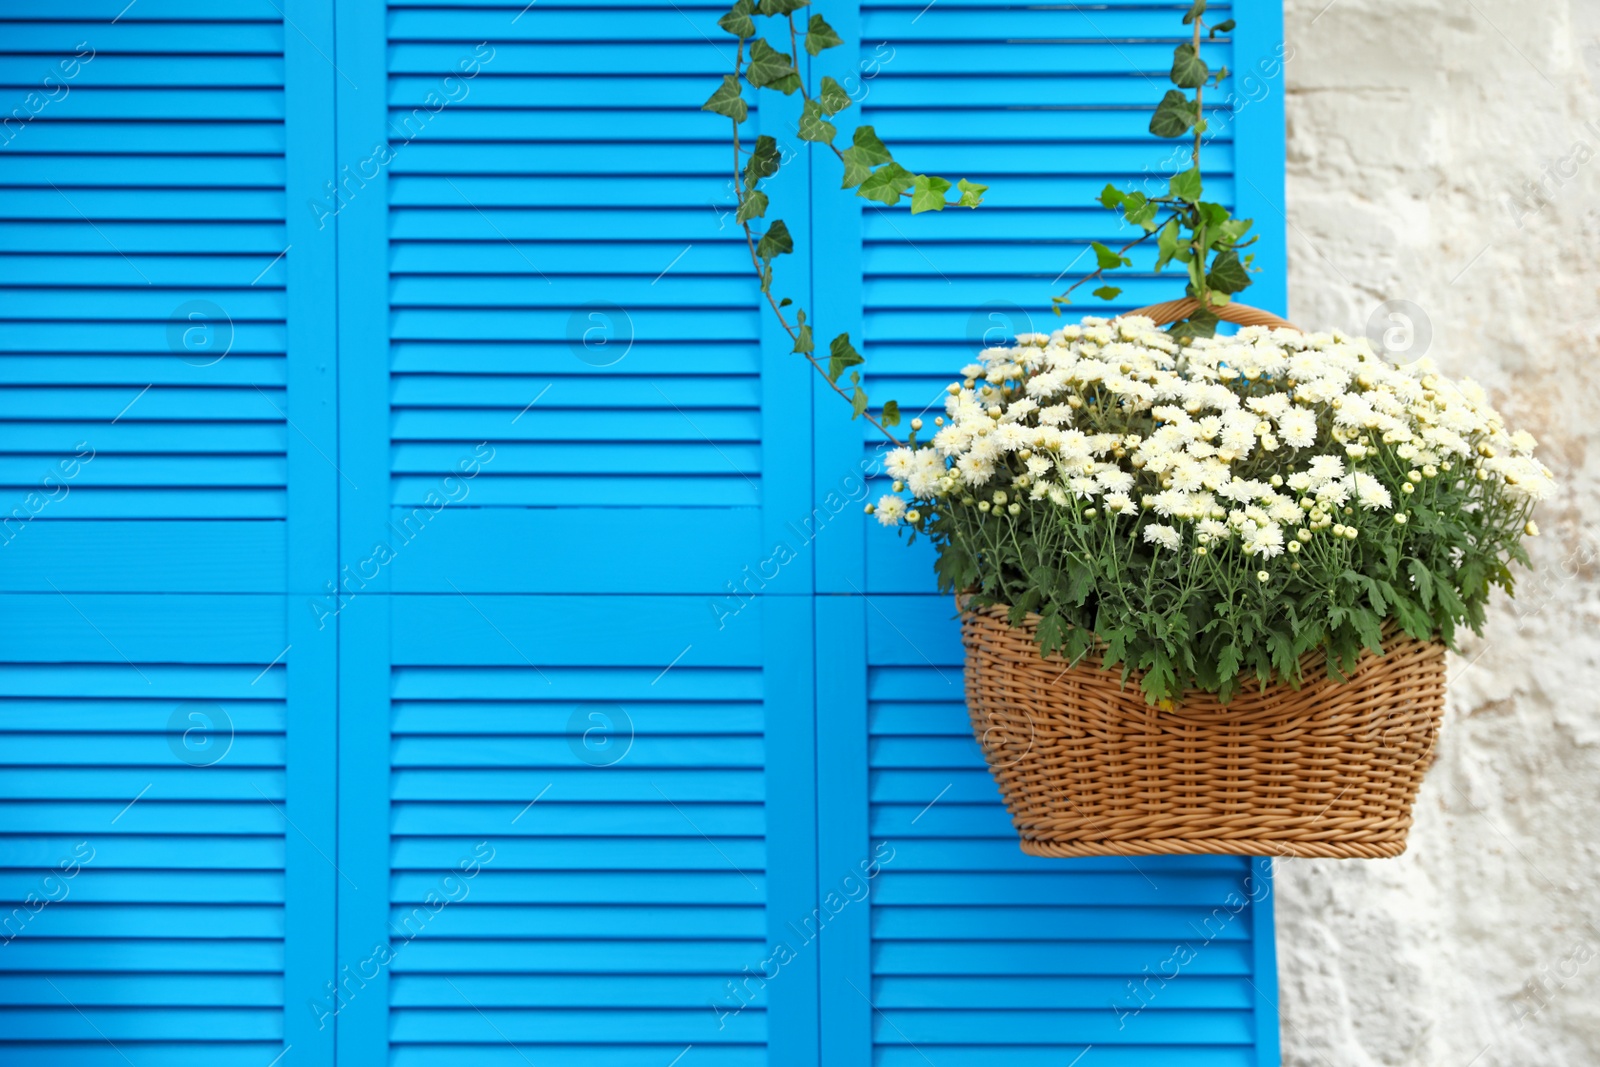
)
(858, 402)
(754, 207)
(775, 8)
(1231, 230)
(1222, 27)
(841, 356)
(1197, 9)
(1174, 115)
(1186, 186)
(802, 342)
(855, 171)
(1227, 274)
(832, 97)
(971, 193)
(866, 152)
(738, 21)
(1139, 211)
(1108, 292)
(727, 100)
(1107, 259)
(1166, 244)
(763, 161)
(775, 242)
(887, 184)
(820, 35)
(1189, 71)
(869, 149)
(1112, 197)
(813, 127)
(927, 193)
(891, 413)
(768, 66)
(1202, 323)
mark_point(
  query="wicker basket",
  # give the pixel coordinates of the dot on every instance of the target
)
(1087, 768)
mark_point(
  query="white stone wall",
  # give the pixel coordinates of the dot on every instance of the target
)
(1447, 153)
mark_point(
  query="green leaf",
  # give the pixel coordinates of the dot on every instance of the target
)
(763, 161)
(1202, 323)
(754, 207)
(1228, 662)
(1223, 27)
(1424, 581)
(1227, 274)
(727, 100)
(775, 8)
(866, 152)
(858, 402)
(927, 193)
(870, 150)
(1196, 9)
(775, 242)
(1212, 215)
(1111, 196)
(887, 184)
(841, 355)
(891, 413)
(820, 35)
(1139, 211)
(1108, 292)
(768, 66)
(1166, 243)
(1107, 259)
(738, 21)
(802, 342)
(1189, 71)
(813, 127)
(1186, 186)
(832, 97)
(855, 171)
(1174, 115)
(971, 193)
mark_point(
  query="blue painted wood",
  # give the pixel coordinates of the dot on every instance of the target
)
(313, 882)
(616, 702)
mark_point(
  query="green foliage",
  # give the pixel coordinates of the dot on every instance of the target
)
(869, 168)
(842, 356)
(1201, 235)
(819, 36)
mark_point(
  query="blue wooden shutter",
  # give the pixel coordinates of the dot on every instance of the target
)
(419, 549)
(165, 865)
(972, 953)
(582, 669)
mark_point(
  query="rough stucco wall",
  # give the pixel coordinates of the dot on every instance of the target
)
(1447, 152)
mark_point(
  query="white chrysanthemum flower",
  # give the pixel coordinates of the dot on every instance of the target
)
(898, 463)
(975, 470)
(1368, 491)
(891, 510)
(1298, 427)
(926, 469)
(1162, 536)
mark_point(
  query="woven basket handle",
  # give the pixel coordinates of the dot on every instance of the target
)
(1242, 314)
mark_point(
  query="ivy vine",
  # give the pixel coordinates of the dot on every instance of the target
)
(1200, 234)
(869, 168)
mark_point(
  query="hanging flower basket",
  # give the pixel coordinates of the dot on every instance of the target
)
(1088, 768)
(1238, 580)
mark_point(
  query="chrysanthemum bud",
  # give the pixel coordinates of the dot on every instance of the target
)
(1399, 518)
(916, 424)
(1263, 576)
(1532, 529)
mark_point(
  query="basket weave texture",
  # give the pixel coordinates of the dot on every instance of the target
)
(1087, 768)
